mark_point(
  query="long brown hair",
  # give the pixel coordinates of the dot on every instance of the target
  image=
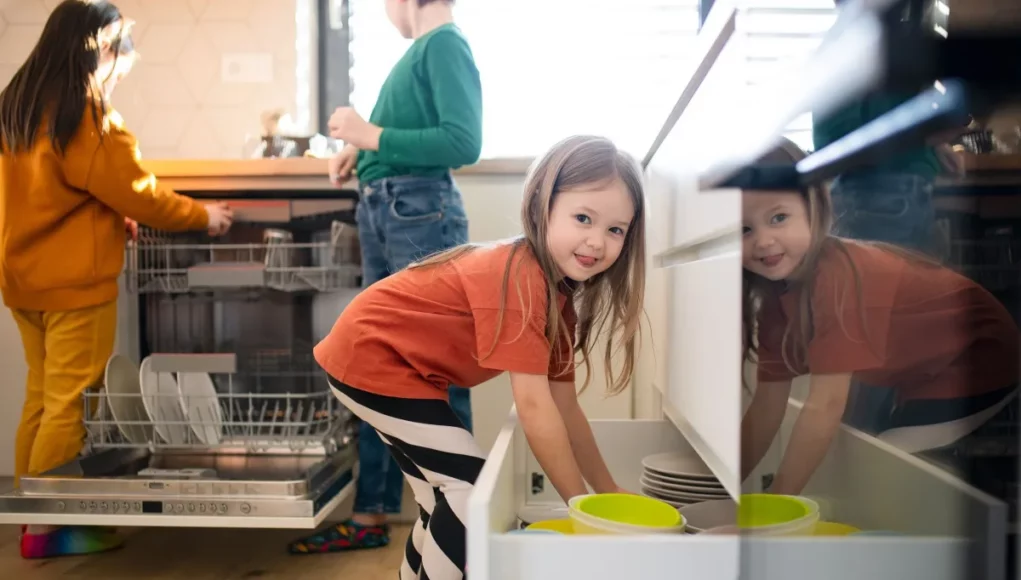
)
(610, 301)
(56, 84)
(756, 289)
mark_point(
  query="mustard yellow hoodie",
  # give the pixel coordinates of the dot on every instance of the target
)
(62, 229)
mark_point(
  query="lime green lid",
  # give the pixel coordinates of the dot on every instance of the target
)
(763, 509)
(635, 510)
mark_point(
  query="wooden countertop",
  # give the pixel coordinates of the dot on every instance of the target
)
(289, 173)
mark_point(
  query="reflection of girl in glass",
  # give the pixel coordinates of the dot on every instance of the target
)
(842, 310)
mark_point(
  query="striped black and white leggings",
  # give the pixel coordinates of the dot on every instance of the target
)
(441, 461)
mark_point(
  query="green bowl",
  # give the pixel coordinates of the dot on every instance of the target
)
(762, 509)
(634, 510)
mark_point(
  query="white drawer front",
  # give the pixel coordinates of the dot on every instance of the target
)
(702, 356)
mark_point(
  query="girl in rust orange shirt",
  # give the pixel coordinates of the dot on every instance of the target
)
(848, 311)
(523, 307)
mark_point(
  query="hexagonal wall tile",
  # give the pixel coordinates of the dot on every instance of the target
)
(199, 64)
(161, 84)
(7, 73)
(197, 7)
(164, 126)
(162, 43)
(200, 142)
(17, 42)
(25, 12)
(232, 10)
(165, 12)
(232, 36)
(272, 22)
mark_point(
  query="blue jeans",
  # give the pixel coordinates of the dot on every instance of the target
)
(401, 220)
(892, 208)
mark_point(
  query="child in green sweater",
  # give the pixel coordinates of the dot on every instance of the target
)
(426, 122)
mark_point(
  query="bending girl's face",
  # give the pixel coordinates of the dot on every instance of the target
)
(776, 233)
(115, 65)
(587, 228)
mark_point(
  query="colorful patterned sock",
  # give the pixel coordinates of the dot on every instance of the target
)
(69, 541)
(342, 537)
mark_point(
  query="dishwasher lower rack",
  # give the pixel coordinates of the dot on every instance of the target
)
(270, 402)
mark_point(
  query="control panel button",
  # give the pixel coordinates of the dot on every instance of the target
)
(223, 508)
(191, 508)
(60, 506)
(179, 508)
(103, 506)
(83, 506)
(246, 509)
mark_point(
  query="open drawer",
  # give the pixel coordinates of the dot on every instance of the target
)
(511, 481)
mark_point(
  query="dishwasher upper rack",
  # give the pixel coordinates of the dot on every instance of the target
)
(160, 262)
(255, 408)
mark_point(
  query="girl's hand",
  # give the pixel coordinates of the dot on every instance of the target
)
(622, 490)
(342, 164)
(220, 218)
(131, 227)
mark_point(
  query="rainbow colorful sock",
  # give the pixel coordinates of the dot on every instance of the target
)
(341, 538)
(69, 541)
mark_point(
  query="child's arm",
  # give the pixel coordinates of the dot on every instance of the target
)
(813, 432)
(761, 421)
(456, 140)
(579, 432)
(111, 171)
(546, 433)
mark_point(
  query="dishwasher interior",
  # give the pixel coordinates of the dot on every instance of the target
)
(214, 411)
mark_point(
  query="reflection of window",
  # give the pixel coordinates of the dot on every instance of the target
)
(551, 68)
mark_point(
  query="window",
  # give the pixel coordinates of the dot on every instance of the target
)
(551, 68)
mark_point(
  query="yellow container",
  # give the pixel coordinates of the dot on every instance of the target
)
(834, 529)
(560, 526)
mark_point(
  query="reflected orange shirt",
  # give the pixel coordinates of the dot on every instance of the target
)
(928, 331)
(416, 332)
(62, 217)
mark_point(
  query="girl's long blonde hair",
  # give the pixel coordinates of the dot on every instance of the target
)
(610, 301)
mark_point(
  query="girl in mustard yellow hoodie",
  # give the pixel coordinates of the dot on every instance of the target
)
(70, 180)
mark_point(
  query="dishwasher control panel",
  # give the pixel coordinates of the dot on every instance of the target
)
(150, 507)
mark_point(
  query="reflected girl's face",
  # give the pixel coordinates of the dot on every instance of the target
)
(776, 233)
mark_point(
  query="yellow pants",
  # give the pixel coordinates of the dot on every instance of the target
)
(66, 354)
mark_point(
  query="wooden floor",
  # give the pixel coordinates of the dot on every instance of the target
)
(164, 553)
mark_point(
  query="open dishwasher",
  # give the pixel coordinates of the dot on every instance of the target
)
(214, 412)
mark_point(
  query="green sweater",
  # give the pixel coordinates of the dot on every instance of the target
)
(921, 161)
(430, 109)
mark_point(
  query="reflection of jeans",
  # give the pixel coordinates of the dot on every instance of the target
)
(892, 208)
(401, 220)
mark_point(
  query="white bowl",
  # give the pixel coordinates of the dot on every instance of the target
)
(705, 515)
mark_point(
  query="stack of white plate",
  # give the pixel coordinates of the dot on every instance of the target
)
(680, 479)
